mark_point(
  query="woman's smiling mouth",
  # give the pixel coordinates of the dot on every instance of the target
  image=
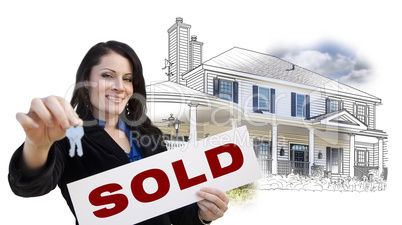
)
(114, 98)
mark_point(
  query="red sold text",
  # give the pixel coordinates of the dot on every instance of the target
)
(121, 202)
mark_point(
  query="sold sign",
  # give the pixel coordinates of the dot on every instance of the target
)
(152, 186)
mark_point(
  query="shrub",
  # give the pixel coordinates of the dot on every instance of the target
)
(242, 195)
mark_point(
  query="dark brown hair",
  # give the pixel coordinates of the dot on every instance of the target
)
(134, 113)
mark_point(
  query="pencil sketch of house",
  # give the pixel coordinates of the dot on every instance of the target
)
(301, 123)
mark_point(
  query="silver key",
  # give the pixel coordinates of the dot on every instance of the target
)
(74, 135)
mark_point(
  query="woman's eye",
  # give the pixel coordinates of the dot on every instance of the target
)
(128, 79)
(106, 75)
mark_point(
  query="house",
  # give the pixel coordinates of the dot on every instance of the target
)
(299, 121)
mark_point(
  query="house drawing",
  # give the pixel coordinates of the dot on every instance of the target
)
(300, 122)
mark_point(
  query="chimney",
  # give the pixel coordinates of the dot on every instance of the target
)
(179, 40)
(185, 54)
(195, 52)
(179, 20)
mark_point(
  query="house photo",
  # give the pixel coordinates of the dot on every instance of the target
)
(300, 122)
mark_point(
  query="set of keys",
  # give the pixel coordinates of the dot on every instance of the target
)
(74, 135)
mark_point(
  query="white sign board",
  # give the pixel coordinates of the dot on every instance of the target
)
(155, 185)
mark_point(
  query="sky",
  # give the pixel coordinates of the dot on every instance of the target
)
(355, 42)
(332, 59)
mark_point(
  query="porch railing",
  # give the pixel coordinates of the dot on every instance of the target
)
(174, 144)
(265, 165)
(295, 167)
(361, 171)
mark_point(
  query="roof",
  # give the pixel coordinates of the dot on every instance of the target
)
(169, 87)
(166, 92)
(264, 65)
(174, 92)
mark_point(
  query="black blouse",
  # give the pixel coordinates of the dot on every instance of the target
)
(101, 153)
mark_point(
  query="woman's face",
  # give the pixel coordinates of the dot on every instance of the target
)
(110, 86)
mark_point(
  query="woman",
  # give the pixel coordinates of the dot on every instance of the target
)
(109, 98)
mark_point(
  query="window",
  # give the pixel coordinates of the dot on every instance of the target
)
(299, 147)
(334, 160)
(361, 112)
(300, 105)
(361, 157)
(263, 99)
(225, 90)
(333, 105)
(262, 149)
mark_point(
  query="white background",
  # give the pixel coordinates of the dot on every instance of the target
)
(43, 42)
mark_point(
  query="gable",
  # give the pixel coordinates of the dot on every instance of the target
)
(340, 118)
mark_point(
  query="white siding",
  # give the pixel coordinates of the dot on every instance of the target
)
(385, 152)
(210, 83)
(371, 116)
(317, 104)
(195, 79)
(246, 94)
(283, 97)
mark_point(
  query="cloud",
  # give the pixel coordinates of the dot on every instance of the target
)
(331, 60)
(356, 78)
(322, 62)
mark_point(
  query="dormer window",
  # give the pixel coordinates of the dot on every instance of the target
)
(333, 105)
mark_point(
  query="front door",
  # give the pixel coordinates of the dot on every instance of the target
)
(298, 160)
(334, 160)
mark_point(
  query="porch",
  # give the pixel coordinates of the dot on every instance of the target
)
(284, 167)
(286, 144)
(370, 172)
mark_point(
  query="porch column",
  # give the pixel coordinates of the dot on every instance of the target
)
(193, 122)
(352, 155)
(234, 123)
(274, 148)
(311, 150)
(380, 155)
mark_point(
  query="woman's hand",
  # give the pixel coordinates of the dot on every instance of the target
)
(214, 203)
(46, 122)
